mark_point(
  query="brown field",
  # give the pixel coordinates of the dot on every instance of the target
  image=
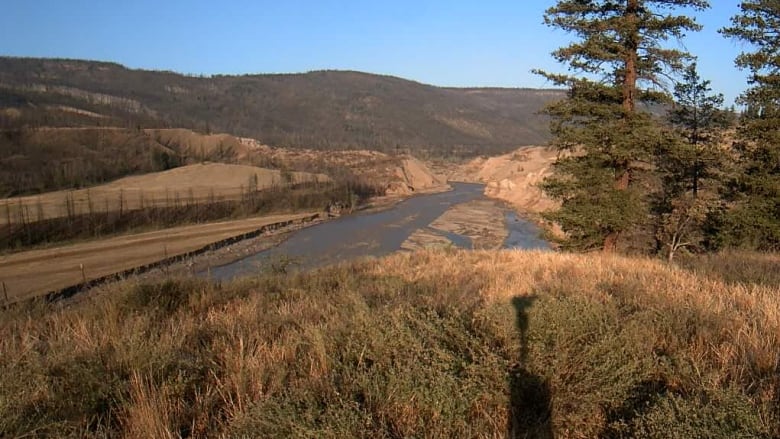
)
(184, 185)
(37, 272)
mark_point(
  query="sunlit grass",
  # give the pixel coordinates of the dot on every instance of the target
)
(429, 344)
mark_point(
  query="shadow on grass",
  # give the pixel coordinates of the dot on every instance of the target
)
(530, 410)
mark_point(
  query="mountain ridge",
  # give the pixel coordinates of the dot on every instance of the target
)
(323, 109)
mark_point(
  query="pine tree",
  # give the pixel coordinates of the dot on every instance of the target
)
(607, 140)
(755, 221)
(698, 117)
(695, 157)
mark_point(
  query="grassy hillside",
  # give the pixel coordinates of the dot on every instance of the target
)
(432, 344)
(322, 110)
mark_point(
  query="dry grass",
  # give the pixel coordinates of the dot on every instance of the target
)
(433, 344)
(200, 183)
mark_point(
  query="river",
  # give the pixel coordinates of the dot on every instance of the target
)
(378, 234)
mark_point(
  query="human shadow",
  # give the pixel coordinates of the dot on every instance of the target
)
(530, 409)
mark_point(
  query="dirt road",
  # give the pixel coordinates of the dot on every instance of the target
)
(38, 272)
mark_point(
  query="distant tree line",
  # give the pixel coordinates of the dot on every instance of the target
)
(36, 161)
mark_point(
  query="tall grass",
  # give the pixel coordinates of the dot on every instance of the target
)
(25, 230)
(431, 344)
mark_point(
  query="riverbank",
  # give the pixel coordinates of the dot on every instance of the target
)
(460, 217)
(380, 232)
(62, 270)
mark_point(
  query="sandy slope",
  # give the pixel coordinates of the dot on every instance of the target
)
(397, 175)
(200, 182)
(193, 144)
(414, 176)
(513, 177)
(36, 272)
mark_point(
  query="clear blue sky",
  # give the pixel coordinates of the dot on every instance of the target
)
(448, 43)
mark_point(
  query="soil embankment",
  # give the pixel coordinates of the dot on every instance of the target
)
(395, 174)
(513, 177)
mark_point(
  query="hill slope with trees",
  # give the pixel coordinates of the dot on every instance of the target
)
(320, 110)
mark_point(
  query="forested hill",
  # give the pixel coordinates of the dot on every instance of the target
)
(321, 110)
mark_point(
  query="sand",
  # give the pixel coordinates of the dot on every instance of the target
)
(482, 221)
(513, 177)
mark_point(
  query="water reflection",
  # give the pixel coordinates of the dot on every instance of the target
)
(523, 234)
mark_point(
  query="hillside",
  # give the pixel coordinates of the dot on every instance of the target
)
(37, 161)
(512, 177)
(197, 183)
(320, 110)
(429, 344)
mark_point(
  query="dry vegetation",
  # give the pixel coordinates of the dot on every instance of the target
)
(199, 183)
(26, 231)
(434, 344)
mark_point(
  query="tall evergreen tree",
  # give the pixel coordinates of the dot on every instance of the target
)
(755, 221)
(685, 165)
(698, 116)
(617, 61)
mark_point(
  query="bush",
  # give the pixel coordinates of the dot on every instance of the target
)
(433, 344)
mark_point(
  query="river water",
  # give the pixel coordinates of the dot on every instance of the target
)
(377, 234)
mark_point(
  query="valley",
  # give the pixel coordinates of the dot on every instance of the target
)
(529, 219)
(95, 177)
(462, 218)
(344, 254)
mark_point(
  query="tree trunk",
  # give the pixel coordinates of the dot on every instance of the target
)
(622, 180)
(631, 43)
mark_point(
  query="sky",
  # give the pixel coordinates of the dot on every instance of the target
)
(447, 43)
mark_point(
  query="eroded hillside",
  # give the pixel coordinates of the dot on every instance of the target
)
(512, 177)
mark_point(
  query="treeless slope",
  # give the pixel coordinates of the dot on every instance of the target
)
(397, 174)
(513, 177)
(414, 176)
(38, 272)
(190, 144)
(186, 184)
